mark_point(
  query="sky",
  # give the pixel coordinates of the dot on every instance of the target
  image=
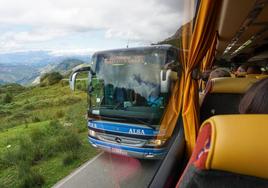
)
(85, 26)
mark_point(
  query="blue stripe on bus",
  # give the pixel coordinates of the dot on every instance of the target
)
(127, 148)
(122, 128)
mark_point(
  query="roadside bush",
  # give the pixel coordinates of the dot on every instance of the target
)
(4, 113)
(25, 150)
(18, 155)
(35, 119)
(81, 86)
(64, 83)
(28, 107)
(7, 98)
(59, 114)
(31, 179)
(54, 127)
(42, 104)
(12, 105)
(19, 116)
(36, 145)
(12, 88)
(8, 159)
(66, 100)
(2, 185)
(27, 177)
(37, 135)
(3, 164)
(16, 119)
(50, 79)
(30, 150)
(69, 141)
(76, 116)
(38, 153)
(51, 148)
(69, 158)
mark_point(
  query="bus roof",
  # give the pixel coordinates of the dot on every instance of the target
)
(160, 47)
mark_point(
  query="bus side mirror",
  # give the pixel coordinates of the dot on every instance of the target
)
(166, 77)
(76, 71)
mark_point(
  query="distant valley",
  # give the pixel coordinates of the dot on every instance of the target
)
(22, 74)
(26, 67)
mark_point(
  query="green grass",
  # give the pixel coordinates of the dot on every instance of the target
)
(10, 136)
(43, 135)
(52, 168)
(56, 170)
(42, 103)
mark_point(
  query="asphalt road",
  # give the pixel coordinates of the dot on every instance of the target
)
(110, 170)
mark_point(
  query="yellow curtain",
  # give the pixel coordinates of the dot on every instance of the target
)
(207, 62)
(201, 40)
(194, 46)
(172, 112)
(174, 106)
(209, 58)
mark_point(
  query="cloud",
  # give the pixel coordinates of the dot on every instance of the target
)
(72, 52)
(15, 40)
(138, 21)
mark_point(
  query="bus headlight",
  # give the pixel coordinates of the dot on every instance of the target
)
(155, 142)
(92, 133)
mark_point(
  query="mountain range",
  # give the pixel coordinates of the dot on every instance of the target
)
(26, 67)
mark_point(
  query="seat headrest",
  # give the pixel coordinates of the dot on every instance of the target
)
(262, 76)
(231, 85)
(238, 144)
(252, 75)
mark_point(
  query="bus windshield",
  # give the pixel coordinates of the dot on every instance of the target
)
(127, 85)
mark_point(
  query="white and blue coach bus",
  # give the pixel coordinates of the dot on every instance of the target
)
(128, 93)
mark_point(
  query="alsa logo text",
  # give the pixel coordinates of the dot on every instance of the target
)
(136, 131)
(94, 125)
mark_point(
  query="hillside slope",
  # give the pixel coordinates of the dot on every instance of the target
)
(43, 134)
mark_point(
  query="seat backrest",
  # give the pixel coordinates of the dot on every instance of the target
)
(231, 151)
(252, 75)
(223, 96)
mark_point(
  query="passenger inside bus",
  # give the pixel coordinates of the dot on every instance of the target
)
(219, 72)
(255, 100)
(241, 71)
(139, 100)
(254, 69)
(205, 75)
(120, 95)
(154, 99)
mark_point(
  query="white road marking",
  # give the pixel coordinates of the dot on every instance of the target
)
(63, 181)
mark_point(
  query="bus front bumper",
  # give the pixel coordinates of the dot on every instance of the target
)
(135, 152)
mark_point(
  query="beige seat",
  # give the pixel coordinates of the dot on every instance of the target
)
(231, 151)
(223, 96)
(252, 75)
(262, 76)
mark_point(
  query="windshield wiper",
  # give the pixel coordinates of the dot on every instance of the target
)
(125, 119)
(118, 105)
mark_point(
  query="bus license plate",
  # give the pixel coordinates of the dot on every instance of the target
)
(119, 151)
